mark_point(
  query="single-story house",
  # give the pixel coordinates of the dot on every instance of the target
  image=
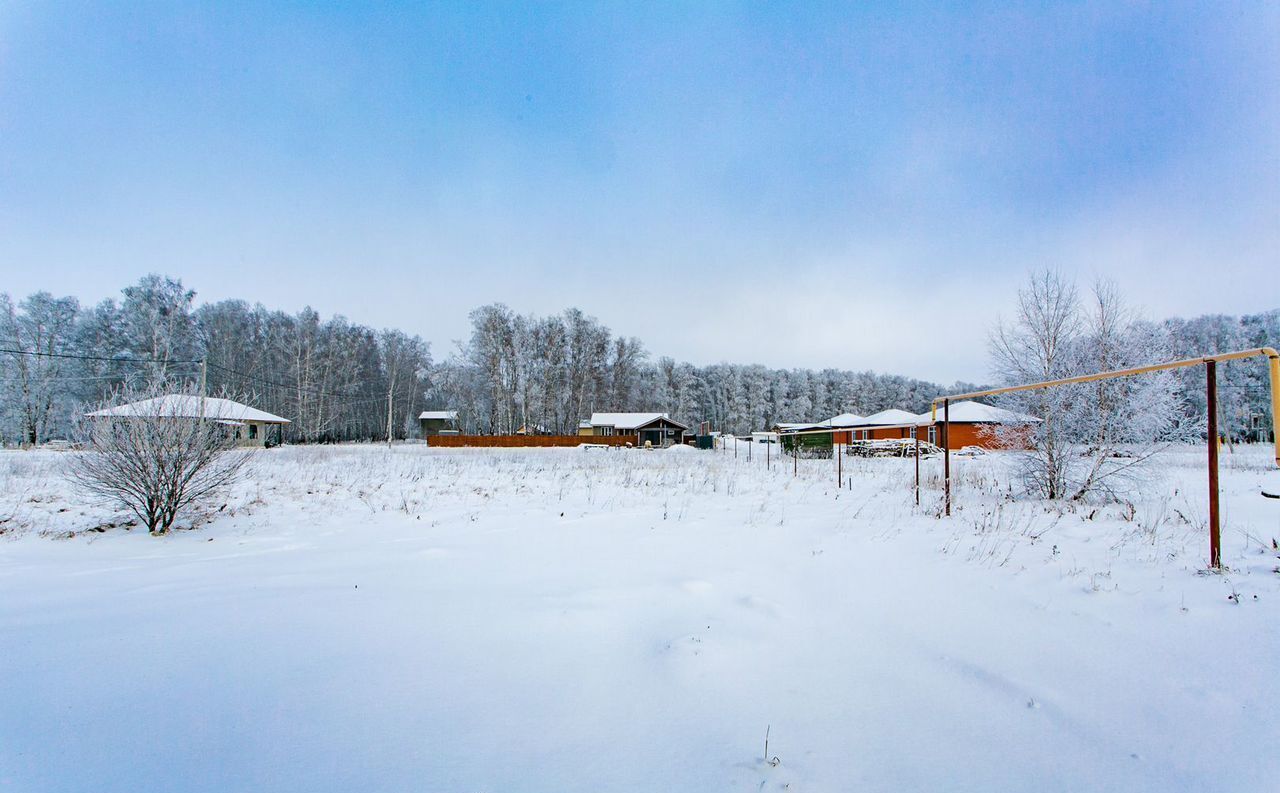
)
(438, 422)
(972, 424)
(842, 426)
(884, 425)
(658, 429)
(249, 426)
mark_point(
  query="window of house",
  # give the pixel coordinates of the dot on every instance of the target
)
(933, 435)
(253, 432)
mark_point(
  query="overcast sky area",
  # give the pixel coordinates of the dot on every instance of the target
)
(794, 185)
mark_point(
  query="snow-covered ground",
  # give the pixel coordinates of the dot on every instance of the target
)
(566, 620)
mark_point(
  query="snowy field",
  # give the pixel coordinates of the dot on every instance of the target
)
(358, 619)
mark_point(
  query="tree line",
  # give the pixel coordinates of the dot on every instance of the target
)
(337, 380)
(333, 379)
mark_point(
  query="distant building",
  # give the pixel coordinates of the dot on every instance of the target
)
(840, 426)
(247, 425)
(658, 429)
(972, 424)
(438, 422)
(883, 425)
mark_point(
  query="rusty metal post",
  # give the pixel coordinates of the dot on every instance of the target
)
(795, 457)
(917, 466)
(749, 445)
(1215, 540)
(946, 451)
(768, 455)
(1273, 366)
(839, 466)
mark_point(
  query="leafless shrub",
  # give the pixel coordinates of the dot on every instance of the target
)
(1097, 440)
(157, 461)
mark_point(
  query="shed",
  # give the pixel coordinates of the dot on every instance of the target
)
(438, 422)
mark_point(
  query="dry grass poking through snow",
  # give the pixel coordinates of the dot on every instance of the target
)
(991, 525)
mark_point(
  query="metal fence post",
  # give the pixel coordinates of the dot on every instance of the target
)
(917, 432)
(946, 451)
(1215, 539)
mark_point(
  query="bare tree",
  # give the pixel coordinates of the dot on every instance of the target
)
(150, 451)
(1039, 344)
(1094, 438)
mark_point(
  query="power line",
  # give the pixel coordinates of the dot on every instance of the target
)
(285, 386)
(95, 357)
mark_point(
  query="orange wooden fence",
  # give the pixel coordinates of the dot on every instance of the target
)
(456, 441)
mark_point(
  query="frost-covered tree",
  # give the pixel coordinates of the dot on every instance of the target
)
(39, 331)
(1093, 438)
(1040, 344)
(157, 325)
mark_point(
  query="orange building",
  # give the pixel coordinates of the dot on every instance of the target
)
(885, 425)
(976, 424)
(972, 424)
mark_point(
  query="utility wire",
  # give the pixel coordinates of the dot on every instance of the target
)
(96, 357)
(286, 386)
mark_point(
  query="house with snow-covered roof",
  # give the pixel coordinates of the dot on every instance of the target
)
(656, 429)
(248, 425)
(886, 424)
(975, 424)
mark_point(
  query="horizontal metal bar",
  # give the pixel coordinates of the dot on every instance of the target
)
(1088, 378)
(1268, 352)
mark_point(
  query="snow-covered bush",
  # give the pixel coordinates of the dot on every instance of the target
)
(155, 462)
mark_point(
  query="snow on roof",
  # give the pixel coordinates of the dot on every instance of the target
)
(977, 413)
(630, 421)
(190, 406)
(791, 426)
(445, 415)
(844, 420)
(888, 417)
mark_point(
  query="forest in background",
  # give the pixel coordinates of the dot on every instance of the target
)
(334, 379)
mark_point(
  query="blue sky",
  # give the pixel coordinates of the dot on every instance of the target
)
(808, 185)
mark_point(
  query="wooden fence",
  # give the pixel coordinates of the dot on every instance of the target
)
(457, 441)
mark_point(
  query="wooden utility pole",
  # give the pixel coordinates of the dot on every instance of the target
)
(204, 385)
